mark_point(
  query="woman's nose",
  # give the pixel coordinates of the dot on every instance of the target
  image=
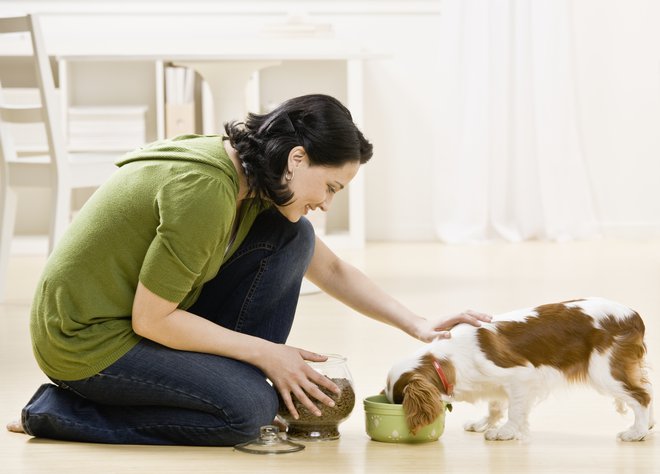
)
(325, 205)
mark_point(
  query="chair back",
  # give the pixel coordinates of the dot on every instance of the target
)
(45, 112)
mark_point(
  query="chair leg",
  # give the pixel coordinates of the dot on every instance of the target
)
(7, 221)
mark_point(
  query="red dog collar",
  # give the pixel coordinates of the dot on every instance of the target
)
(449, 388)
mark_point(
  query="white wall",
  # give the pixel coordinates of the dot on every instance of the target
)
(618, 73)
(618, 64)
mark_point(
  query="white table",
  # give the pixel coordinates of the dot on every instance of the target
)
(232, 72)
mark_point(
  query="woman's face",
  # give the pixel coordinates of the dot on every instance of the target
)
(313, 187)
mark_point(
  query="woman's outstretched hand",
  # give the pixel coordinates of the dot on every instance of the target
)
(438, 328)
(285, 366)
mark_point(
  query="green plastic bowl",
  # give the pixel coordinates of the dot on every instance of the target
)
(386, 422)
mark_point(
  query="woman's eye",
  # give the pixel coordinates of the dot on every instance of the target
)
(331, 190)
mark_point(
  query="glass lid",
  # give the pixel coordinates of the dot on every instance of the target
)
(270, 441)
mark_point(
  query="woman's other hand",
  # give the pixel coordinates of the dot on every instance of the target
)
(285, 366)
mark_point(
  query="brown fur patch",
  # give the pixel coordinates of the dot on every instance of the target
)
(419, 392)
(564, 338)
(558, 337)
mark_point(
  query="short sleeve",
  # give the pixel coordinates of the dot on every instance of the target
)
(195, 213)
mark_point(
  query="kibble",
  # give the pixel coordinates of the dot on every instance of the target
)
(311, 427)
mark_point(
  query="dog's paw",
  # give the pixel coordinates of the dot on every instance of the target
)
(477, 426)
(504, 433)
(632, 435)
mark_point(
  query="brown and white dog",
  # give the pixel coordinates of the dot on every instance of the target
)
(520, 356)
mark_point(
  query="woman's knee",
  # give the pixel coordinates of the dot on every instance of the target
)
(305, 231)
(306, 237)
(257, 409)
(271, 222)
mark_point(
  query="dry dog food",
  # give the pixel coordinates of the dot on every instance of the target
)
(311, 427)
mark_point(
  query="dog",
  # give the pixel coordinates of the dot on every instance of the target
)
(517, 358)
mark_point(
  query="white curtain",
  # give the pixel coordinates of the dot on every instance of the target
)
(509, 163)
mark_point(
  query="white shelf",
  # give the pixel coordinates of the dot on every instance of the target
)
(244, 79)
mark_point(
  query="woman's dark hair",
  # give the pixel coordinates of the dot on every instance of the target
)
(319, 123)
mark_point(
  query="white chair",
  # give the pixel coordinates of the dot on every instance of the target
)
(51, 167)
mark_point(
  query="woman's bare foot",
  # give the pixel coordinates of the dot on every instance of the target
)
(15, 427)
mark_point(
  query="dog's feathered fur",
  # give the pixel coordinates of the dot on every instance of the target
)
(520, 356)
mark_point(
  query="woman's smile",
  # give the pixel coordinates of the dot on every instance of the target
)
(316, 186)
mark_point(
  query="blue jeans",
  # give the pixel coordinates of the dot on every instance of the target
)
(157, 395)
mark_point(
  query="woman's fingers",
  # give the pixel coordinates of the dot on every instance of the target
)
(302, 386)
(321, 380)
(312, 356)
(315, 391)
(288, 403)
(307, 395)
(469, 316)
(302, 397)
(479, 316)
(429, 330)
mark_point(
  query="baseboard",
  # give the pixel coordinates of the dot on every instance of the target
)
(631, 230)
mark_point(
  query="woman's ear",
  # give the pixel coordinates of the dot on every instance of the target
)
(297, 156)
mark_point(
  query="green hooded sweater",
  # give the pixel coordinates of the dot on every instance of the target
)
(164, 218)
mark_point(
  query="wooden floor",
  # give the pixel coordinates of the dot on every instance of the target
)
(574, 431)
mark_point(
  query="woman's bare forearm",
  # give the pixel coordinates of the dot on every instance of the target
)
(162, 322)
(352, 287)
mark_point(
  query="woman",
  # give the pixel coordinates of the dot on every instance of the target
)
(163, 313)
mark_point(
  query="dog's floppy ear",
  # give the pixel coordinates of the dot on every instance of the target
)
(421, 402)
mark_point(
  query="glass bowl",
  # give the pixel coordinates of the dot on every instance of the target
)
(309, 427)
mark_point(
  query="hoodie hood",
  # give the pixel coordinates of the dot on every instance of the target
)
(206, 149)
